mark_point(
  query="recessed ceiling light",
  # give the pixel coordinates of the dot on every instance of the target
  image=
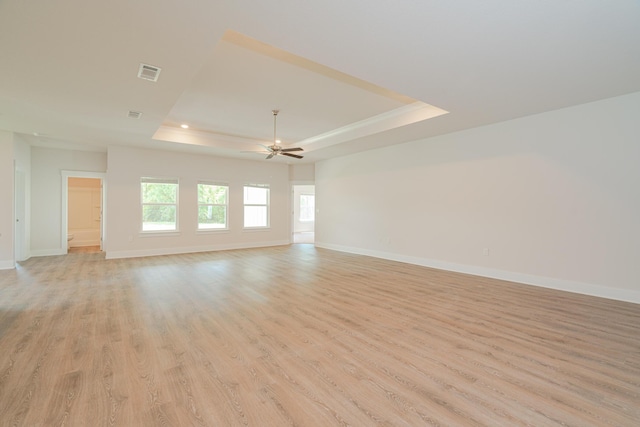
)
(184, 126)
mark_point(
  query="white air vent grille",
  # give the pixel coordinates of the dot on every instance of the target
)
(134, 114)
(149, 72)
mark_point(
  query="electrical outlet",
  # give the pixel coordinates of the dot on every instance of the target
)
(485, 251)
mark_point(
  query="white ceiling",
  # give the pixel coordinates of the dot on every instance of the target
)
(347, 76)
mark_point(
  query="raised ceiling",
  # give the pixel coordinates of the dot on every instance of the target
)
(347, 76)
(229, 103)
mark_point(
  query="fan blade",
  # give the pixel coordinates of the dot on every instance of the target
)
(287, 150)
(270, 155)
(266, 147)
(292, 155)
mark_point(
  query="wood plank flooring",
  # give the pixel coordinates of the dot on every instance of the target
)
(300, 336)
(84, 249)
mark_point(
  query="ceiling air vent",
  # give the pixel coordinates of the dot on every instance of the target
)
(149, 72)
(134, 114)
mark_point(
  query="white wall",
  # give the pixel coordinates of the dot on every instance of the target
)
(47, 165)
(123, 210)
(555, 198)
(302, 173)
(6, 197)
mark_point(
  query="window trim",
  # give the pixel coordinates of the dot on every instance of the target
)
(267, 205)
(160, 180)
(212, 230)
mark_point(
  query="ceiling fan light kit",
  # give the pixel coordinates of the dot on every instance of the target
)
(276, 150)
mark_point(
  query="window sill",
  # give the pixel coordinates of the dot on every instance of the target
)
(255, 229)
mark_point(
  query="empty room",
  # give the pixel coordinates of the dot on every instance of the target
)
(245, 213)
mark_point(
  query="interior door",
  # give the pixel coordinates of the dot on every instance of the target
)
(19, 203)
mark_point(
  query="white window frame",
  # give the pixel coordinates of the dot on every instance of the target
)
(159, 180)
(267, 205)
(226, 206)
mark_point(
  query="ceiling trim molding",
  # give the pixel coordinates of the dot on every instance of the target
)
(204, 138)
(412, 113)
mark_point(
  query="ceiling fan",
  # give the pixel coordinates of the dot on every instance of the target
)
(275, 149)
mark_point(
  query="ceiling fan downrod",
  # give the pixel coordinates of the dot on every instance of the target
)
(275, 115)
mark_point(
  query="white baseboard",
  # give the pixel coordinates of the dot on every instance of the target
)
(48, 252)
(25, 259)
(7, 264)
(527, 279)
(192, 249)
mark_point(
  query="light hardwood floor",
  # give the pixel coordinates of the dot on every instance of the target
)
(296, 335)
(84, 250)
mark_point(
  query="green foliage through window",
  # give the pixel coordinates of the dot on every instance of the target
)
(159, 204)
(212, 206)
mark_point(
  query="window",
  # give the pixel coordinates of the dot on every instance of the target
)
(256, 206)
(307, 207)
(212, 206)
(159, 204)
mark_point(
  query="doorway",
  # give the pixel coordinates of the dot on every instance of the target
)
(304, 210)
(83, 204)
(84, 214)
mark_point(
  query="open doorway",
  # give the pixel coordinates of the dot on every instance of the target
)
(84, 214)
(82, 211)
(304, 209)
